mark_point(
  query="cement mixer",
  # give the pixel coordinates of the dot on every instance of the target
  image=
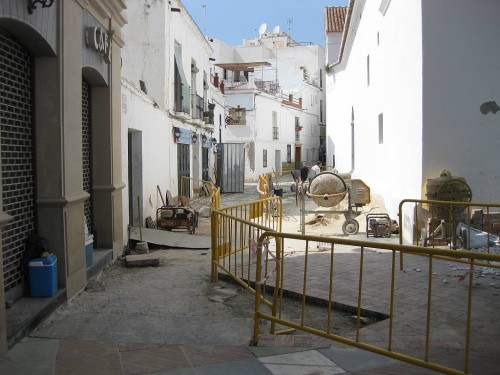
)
(328, 189)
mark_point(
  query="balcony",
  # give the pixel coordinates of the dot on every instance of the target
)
(271, 87)
(276, 134)
(291, 101)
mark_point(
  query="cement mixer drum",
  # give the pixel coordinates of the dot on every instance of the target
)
(327, 189)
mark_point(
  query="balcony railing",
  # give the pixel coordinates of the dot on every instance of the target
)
(271, 87)
(276, 134)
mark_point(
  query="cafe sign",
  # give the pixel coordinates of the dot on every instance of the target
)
(99, 40)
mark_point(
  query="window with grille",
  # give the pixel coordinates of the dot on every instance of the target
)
(181, 86)
(288, 153)
(275, 125)
(264, 158)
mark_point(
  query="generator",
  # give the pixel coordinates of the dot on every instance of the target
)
(378, 225)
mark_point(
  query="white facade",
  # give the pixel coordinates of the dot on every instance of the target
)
(403, 100)
(269, 133)
(166, 92)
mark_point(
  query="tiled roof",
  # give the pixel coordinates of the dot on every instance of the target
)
(335, 19)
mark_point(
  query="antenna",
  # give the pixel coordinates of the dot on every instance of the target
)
(205, 19)
(289, 21)
(276, 30)
(262, 29)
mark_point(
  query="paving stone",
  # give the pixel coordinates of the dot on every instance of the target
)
(352, 359)
(153, 360)
(87, 357)
(245, 367)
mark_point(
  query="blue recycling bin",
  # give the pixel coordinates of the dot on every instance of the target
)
(43, 276)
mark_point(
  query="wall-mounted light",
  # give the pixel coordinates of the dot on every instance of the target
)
(177, 133)
(194, 138)
(203, 138)
(239, 113)
(488, 107)
(44, 3)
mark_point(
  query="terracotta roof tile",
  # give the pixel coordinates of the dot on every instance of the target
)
(335, 19)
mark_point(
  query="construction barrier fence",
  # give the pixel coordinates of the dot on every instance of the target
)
(247, 244)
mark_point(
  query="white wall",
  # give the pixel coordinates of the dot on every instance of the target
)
(461, 71)
(146, 51)
(392, 168)
(158, 156)
(333, 42)
(149, 56)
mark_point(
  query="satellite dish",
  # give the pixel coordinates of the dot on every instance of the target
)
(276, 30)
(262, 29)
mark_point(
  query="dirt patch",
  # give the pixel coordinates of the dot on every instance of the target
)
(182, 287)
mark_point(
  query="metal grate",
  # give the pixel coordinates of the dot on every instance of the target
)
(87, 153)
(17, 153)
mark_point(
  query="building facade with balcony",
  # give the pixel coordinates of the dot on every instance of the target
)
(274, 101)
(168, 105)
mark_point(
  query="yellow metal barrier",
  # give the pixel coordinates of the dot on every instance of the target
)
(235, 229)
(437, 225)
(366, 297)
(359, 276)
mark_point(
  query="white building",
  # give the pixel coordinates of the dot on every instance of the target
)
(404, 97)
(167, 122)
(274, 99)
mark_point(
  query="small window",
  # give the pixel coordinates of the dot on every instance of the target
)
(321, 111)
(368, 70)
(288, 153)
(321, 78)
(264, 158)
(380, 128)
(275, 118)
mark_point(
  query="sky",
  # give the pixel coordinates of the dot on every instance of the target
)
(235, 20)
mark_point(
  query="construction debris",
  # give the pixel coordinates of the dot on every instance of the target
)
(142, 260)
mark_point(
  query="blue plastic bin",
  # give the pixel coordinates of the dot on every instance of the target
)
(43, 276)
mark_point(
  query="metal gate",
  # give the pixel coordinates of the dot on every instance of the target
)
(87, 154)
(204, 165)
(231, 167)
(183, 167)
(17, 153)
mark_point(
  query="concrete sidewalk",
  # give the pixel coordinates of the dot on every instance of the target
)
(40, 356)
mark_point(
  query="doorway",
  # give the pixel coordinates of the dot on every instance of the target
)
(298, 156)
(134, 175)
